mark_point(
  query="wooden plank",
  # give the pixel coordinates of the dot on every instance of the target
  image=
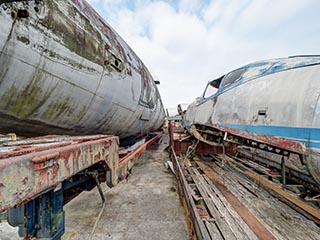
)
(245, 229)
(300, 206)
(220, 216)
(255, 225)
(213, 230)
(237, 221)
(280, 219)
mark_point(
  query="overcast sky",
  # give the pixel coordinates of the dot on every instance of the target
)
(185, 43)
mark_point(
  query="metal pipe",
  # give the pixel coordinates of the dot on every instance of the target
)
(95, 176)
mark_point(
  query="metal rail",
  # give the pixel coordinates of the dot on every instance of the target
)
(127, 162)
(196, 225)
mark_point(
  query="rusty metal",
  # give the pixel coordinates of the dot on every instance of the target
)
(95, 175)
(300, 206)
(274, 162)
(126, 162)
(27, 176)
(201, 148)
(193, 212)
(197, 227)
(181, 141)
(50, 171)
(261, 141)
(255, 225)
(281, 143)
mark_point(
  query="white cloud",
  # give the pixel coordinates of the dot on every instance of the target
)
(188, 43)
(191, 6)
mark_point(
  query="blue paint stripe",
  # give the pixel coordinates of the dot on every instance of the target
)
(309, 136)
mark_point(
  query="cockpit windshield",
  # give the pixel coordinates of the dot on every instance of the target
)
(212, 87)
(209, 91)
(233, 76)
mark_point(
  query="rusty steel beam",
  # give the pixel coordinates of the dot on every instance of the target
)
(201, 148)
(255, 225)
(126, 163)
(281, 143)
(181, 141)
(29, 170)
(300, 206)
(197, 227)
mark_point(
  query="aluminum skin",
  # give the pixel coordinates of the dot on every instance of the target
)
(275, 99)
(64, 70)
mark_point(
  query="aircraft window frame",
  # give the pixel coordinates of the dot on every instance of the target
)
(211, 88)
(238, 73)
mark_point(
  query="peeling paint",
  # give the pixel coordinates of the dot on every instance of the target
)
(23, 39)
(32, 173)
(273, 102)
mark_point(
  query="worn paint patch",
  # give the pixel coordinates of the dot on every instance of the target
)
(26, 101)
(56, 109)
(81, 41)
(23, 39)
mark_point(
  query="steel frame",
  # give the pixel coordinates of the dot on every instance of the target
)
(40, 175)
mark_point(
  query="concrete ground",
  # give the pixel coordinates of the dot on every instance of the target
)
(146, 206)
(7, 232)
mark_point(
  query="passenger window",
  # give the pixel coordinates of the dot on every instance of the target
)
(232, 76)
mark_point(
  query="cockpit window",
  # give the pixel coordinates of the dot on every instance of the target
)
(210, 90)
(232, 76)
(212, 87)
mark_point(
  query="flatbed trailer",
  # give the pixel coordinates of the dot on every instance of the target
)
(40, 175)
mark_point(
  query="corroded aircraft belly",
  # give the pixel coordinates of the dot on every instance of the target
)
(64, 70)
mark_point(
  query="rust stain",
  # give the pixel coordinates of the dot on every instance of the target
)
(24, 180)
(46, 169)
(281, 143)
(129, 157)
